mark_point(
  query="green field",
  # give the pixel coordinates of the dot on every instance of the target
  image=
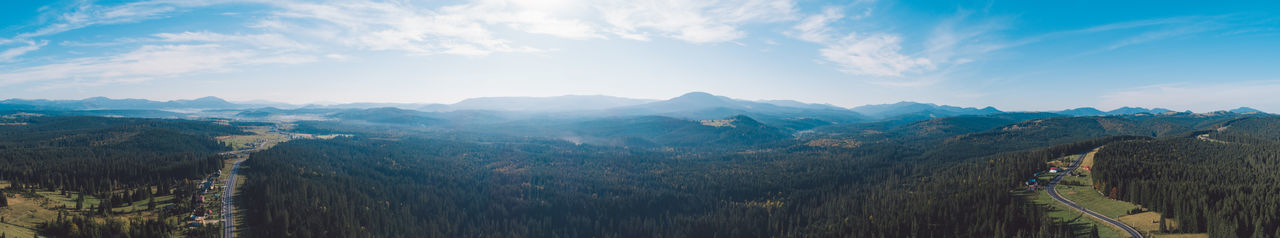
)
(260, 134)
(22, 215)
(1079, 189)
(27, 210)
(1080, 224)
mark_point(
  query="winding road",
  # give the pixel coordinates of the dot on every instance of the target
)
(1053, 192)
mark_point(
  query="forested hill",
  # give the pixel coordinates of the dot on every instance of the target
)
(81, 153)
(948, 177)
(1221, 181)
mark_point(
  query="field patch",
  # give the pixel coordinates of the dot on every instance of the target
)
(1080, 224)
(1149, 222)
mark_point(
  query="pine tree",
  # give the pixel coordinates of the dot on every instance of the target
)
(79, 201)
(151, 200)
(1093, 233)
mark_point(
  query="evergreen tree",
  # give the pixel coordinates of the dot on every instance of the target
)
(151, 200)
(1093, 231)
(79, 201)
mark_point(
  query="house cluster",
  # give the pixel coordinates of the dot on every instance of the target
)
(198, 215)
(1033, 184)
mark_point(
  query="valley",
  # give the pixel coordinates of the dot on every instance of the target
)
(704, 166)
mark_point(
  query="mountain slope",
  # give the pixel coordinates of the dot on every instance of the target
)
(656, 130)
(1137, 110)
(389, 115)
(553, 104)
(103, 103)
(705, 106)
(1083, 111)
(884, 111)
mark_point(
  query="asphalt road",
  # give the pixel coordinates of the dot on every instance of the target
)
(1053, 192)
(228, 216)
(228, 193)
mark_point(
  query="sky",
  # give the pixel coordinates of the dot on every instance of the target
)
(1014, 55)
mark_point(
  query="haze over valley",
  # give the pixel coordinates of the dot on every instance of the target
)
(639, 118)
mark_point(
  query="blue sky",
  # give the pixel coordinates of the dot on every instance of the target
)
(1015, 55)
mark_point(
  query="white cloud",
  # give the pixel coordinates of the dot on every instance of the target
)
(471, 28)
(537, 17)
(264, 41)
(1199, 97)
(146, 63)
(815, 28)
(85, 13)
(875, 55)
(959, 40)
(879, 56)
(396, 26)
(868, 54)
(691, 21)
(336, 56)
(11, 53)
(1171, 31)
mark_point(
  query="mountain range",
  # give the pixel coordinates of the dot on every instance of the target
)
(692, 106)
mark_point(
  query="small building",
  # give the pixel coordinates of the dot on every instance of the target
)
(1086, 167)
(1053, 169)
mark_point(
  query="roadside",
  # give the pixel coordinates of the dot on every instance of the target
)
(264, 137)
(1078, 188)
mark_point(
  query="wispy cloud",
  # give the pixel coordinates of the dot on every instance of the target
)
(11, 53)
(262, 41)
(1144, 31)
(146, 63)
(867, 54)
(394, 26)
(961, 39)
(816, 28)
(1168, 32)
(470, 28)
(82, 14)
(878, 57)
(691, 21)
(874, 55)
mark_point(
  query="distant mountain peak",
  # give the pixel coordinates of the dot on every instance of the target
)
(699, 96)
(1245, 110)
(209, 99)
(555, 103)
(902, 108)
(1082, 111)
(1137, 110)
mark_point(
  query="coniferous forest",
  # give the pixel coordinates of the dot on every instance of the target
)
(1223, 182)
(954, 181)
(944, 177)
(109, 163)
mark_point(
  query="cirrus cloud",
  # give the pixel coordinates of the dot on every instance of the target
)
(146, 63)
